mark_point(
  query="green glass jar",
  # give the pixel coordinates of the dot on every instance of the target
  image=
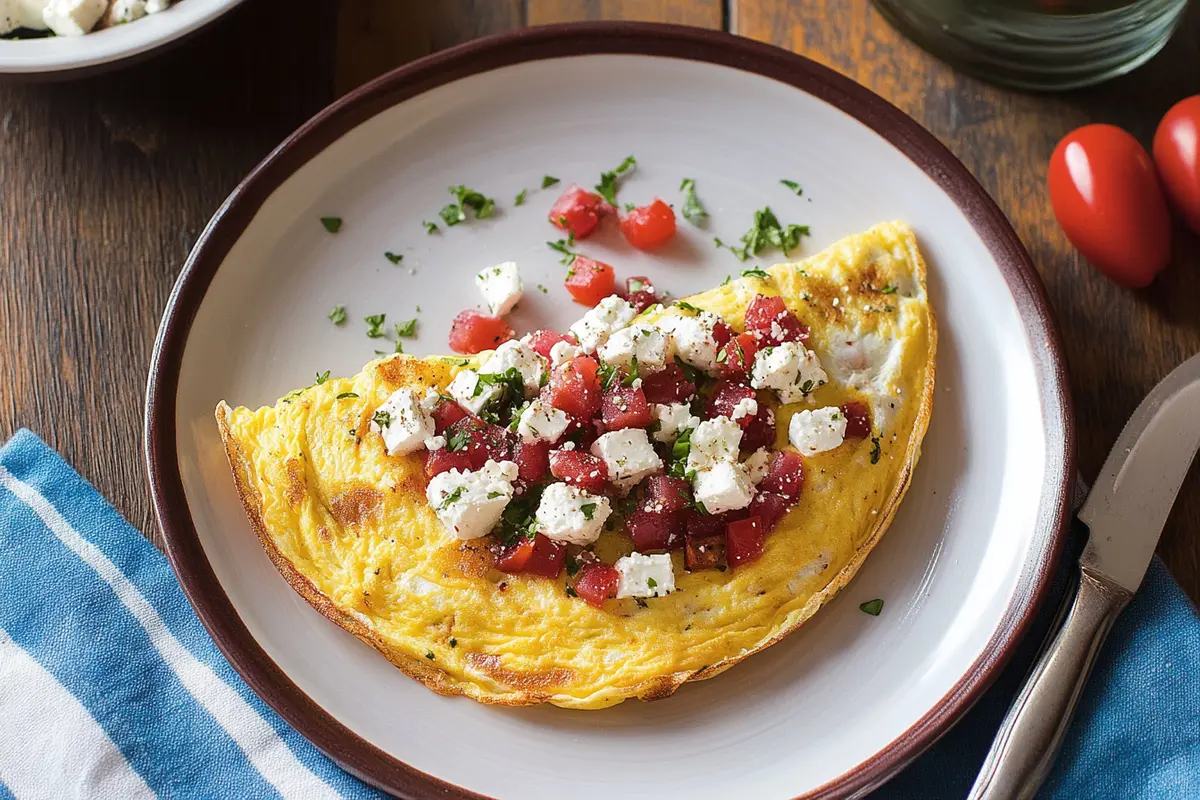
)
(1039, 44)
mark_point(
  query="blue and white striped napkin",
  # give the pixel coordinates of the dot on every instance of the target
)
(110, 687)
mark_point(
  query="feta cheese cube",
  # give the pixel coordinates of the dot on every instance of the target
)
(501, 287)
(73, 17)
(404, 421)
(155, 6)
(790, 369)
(746, 407)
(610, 315)
(469, 503)
(757, 465)
(21, 14)
(628, 455)
(673, 419)
(562, 352)
(817, 431)
(542, 421)
(522, 357)
(649, 345)
(724, 486)
(569, 514)
(645, 576)
(122, 11)
(469, 393)
(714, 441)
(693, 339)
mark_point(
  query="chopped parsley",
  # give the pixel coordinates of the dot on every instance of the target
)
(563, 246)
(407, 329)
(795, 187)
(589, 511)
(572, 563)
(459, 440)
(692, 210)
(756, 273)
(548, 181)
(395, 258)
(875, 453)
(346, 395)
(571, 592)
(338, 315)
(728, 278)
(629, 207)
(510, 382)
(686, 306)
(375, 325)
(679, 455)
(430, 227)
(458, 362)
(493, 495)
(520, 198)
(518, 521)
(766, 232)
(607, 186)
(609, 375)
(453, 643)
(632, 376)
(543, 289)
(465, 198)
(429, 654)
(332, 224)
(872, 607)
(651, 583)
(889, 289)
(322, 377)
(453, 497)
(383, 419)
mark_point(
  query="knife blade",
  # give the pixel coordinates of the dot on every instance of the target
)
(1132, 498)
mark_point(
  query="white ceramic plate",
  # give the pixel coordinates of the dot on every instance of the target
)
(835, 708)
(57, 55)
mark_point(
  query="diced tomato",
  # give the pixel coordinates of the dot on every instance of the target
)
(858, 420)
(649, 226)
(666, 494)
(443, 460)
(770, 321)
(722, 334)
(514, 557)
(704, 551)
(625, 407)
(668, 385)
(737, 357)
(597, 582)
(698, 524)
(575, 388)
(785, 475)
(590, 281)
(640, 293)
(473, 332)
(541, 342)
(769, 508)
(761, 430)
(653, 530)
(533, 461)
(446, 414)
(478, 440)
(578, 210)
(725, 399)
(547, 557)
(744, 540)
(581, 432)
(584, 470)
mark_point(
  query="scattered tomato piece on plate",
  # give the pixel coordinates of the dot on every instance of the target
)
(647, 227)
(590, 281)
(578, 211)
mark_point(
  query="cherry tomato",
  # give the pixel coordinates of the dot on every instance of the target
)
(1107, 198)
(1177, 156)
(649, 226)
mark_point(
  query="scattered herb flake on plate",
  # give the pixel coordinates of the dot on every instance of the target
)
(872, 607)
(430, 227)
(607, 186)
(520, 198)
(375, 325)
(692, 210)
(332, 224)
(407, 329)
(548, 181)
(346, 395)
(322, 377)
(568, 257)
(395, 258)
(338, 315)
(795, 187)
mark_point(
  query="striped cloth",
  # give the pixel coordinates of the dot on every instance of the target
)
(110, 687)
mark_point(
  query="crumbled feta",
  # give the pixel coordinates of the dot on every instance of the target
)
(725, 486)
(468, 393)
(468, 503)
(673, 419)
(757, 465)
(404, 421)
(645, 576)
(693, 338)
(649, 345)
(790, 369)
(501, 287)
(628, 455)
(155, 6)
(435, 442)
(522, 357)
(563, 352)
(746, 407)
(122, 11)
(21, 14)
(610, 315)
(714, 441)
(817, 431)
(73, 17)
(542, 421)
(569, 514)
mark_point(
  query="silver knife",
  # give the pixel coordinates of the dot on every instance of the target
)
(1125, 514)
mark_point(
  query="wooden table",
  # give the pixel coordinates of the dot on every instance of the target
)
(105, 183)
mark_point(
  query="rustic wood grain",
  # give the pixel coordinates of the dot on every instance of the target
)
(105, 183)
(700, 13)
(1119, 343)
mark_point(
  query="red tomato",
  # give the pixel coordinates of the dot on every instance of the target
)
(666, 494)
(444, 460)
(653, 530)
(1108, 201)
(533, 461)
(575, 388)
(785, 475)
(578, 210)
(542, 341)
(648, 226)
(769, 508)
(744, 541)
(474, 438)
(446, 414)
(640, 293)
(668, 385)
(514, 557)
(1177, 156)
(584, 470)
(625, 407)
(473, 332)
(771, 323)
(725, 398)
(737, 357)
(858, 420)
(761, 430)
(547, 557)
(597, 582)
(590, 281)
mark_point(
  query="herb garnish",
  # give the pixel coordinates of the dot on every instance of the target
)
(458, 362)
(338, 315)
(608, 376)
(543, 289)
(889, 289)
(332, 224)
(692, 210)
(795, 187)
(407, 329)
(679, 455)
(453, 497)
(651, 583)
(686, 306)
(571, 592)
(375, 325)
(453, 643)
(465, 198)
(520, 198)
(766, 232)
(345, 395)
(548, 181)
(607, 186)
(395, 258)
(572, 564)
(561, 246)
(493, 495)
(458, 440)
(430, 227)
(429, 654)
(875, 452)
(589, 511)
(872, 607)
(322, 377)
(518, 520)
(756, 273)
(382, 419)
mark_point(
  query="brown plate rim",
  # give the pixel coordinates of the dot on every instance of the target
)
(186, 554)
